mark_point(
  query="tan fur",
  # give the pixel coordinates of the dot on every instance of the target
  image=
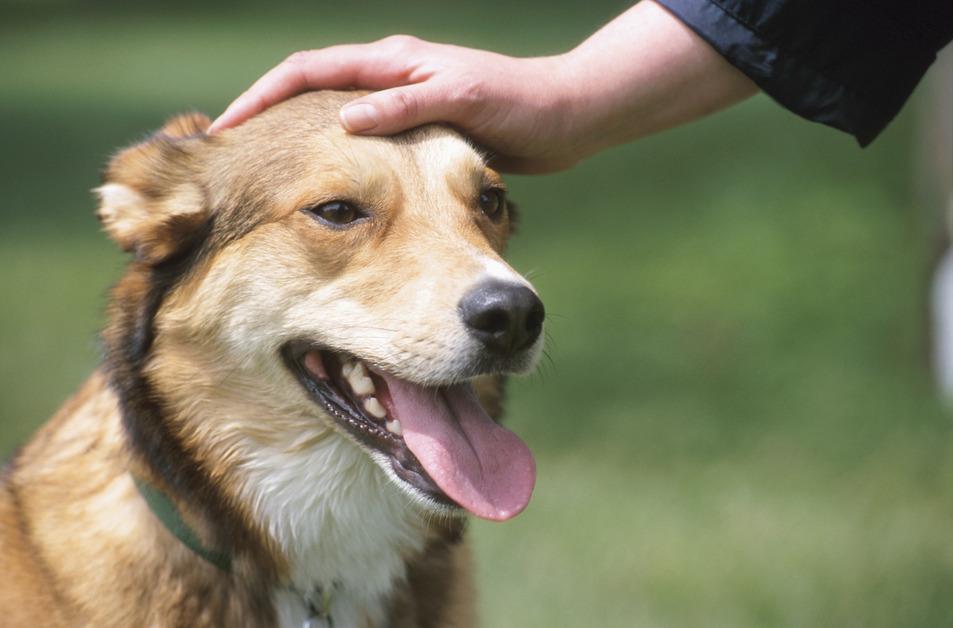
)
(78, 545)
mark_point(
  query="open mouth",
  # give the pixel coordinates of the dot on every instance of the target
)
(358, 399)
(437, 439)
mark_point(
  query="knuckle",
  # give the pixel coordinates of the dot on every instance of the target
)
(398, 43)
(470, 93)
(405, 105)
(298, 58)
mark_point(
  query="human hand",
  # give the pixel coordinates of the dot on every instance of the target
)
(643, 72)
(512, 107)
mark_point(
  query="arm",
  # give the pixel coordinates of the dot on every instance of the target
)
(643, 72)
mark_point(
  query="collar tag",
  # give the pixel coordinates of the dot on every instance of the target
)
(320, 612)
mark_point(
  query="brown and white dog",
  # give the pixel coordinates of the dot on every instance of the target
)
(285, 429)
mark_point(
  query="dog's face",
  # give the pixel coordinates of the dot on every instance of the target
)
(321, 286)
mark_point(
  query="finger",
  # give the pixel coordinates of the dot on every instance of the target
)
(398, 109)
(298, 73)
(349, 66)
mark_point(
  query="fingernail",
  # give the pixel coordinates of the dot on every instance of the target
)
(359, 117)
(217, 122)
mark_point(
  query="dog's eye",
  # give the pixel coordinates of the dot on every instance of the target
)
(335, 213)
(492, 203)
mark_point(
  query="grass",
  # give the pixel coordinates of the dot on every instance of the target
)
(736, 427)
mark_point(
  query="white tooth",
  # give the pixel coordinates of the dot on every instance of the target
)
(394, 427)
(346, 369)
(372, 405)
(361, 385)
(359, 380)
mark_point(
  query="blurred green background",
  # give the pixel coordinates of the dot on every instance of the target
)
(737, 426)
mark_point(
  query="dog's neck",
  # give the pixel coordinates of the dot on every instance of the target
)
(337, 526)
(78, 473)
(345, 551)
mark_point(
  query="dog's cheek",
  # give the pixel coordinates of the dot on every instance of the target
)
(240, 301)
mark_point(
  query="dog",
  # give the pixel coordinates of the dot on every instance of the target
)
(292, 416)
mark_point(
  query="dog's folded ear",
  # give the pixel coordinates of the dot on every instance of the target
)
(151, 201)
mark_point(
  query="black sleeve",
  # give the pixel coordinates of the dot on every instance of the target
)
(850, 64)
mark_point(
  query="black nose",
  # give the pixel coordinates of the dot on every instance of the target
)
(506, 317)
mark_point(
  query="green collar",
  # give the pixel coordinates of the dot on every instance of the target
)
(166, 512)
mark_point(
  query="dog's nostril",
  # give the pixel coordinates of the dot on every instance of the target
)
(493, 321)
(505, 317)
(534, 320)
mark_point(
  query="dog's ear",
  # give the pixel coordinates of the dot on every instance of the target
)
(151, 202)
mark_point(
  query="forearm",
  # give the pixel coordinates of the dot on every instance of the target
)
(642, 73)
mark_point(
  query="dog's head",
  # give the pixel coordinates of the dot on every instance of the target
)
(294, 286)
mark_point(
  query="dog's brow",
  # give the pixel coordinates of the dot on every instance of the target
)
(465, 181)
(443, 152)
(491, 179)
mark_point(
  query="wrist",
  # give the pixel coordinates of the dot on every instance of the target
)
(583, 96)
(642, 73)
(569, 118)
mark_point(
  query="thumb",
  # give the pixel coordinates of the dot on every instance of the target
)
(394, 110)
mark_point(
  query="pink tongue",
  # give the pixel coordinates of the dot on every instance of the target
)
(482, 466)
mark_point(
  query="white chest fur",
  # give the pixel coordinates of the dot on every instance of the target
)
(341, 523)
